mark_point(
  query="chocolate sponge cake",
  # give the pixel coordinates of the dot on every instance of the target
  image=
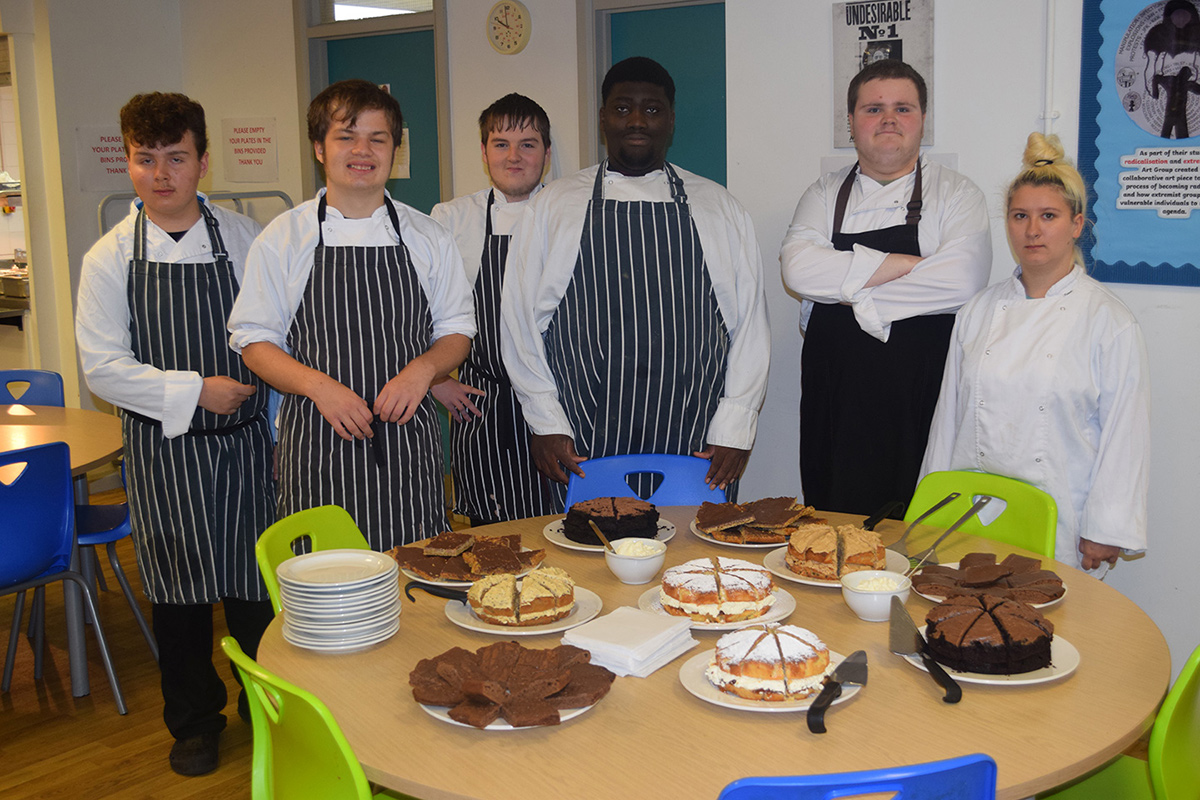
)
(989, 635)
(617, 517)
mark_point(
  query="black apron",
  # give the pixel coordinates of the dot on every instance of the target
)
(494, 475)
(866, 405)
(197, 502)
(362, 318)
(638, 347)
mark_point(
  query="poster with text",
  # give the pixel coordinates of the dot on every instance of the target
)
(1139, 139)
(250, 150)
(871, 30)
(100, 159)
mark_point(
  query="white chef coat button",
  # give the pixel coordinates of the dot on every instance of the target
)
(981, 454)
(1062, 308)
(1038, 459)
(1049, 355)
(987, 352)
(980, 402)
(1004, 308)
(1041, 408)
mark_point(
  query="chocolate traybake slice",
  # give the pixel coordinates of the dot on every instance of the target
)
(712, 517)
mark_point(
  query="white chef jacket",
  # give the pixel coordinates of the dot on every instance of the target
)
(542, 261)
(281, 260)
(1056, 392)
(102, 315)
(463, 217)
(953, 232)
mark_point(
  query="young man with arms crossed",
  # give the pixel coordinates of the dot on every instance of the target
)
(154, 296)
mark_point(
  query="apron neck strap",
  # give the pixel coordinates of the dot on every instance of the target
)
(487, 215)
(673, 181)
(210, 224)
(322, 204)
(843, 196)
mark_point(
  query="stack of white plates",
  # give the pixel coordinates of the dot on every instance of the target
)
(338, 600)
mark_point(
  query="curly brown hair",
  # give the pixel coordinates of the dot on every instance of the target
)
(157, 119)
(345, 100)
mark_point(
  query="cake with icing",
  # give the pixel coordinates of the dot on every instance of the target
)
(717, 590)
(827, 553)
(769, 662)
(543, 596)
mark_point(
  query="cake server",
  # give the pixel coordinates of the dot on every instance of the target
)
(929, 555)
(898, 546)
(905, 640)
(853, 669)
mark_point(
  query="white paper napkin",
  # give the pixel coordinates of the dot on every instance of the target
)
(627, 630)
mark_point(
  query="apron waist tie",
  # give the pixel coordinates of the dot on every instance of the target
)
(200, 432)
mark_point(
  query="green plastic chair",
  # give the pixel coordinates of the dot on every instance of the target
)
(1173, 770)
(299, 750)
(1029, 519)
(327, 528)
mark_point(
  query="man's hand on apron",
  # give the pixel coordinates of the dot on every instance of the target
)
(456, 397)
(344, 410)
(727, 464)
(554, 451)
(402, 395)
(221, 394)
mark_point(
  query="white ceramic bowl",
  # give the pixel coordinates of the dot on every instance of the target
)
(636, 569)
(873, 605)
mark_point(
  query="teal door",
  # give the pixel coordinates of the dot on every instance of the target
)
(405, 62)
(689, 41)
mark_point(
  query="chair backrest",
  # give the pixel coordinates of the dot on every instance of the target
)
(327, 528)
(37, 512)
(964, 778)
(45, 387)
(1029, 518)
(682, 479)
(1174, 751)
(299, 750)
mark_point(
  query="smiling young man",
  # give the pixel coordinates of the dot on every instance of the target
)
(634, 318)
(353, 305)
(154, 295)
(494, 476)
(883, 253)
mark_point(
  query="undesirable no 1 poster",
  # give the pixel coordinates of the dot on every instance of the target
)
(866, 31)
(1139, 139)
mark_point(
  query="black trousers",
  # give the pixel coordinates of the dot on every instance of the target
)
(193, 693)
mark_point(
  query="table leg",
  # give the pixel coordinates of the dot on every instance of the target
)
(73, 606)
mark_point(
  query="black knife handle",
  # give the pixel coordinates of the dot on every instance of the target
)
(831, 691)
(437, 591)
(953, 690)
(870, 522)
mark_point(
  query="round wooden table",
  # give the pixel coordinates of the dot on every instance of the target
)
(95, 440)
(649, 736)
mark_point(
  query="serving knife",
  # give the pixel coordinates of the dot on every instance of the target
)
(437, 591)
(905, 640)
(853, 669)
(870, 522)
(898, 546)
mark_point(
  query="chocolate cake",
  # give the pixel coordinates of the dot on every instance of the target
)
(770, 520)
(989, 635)
(1016, 577)
(617, 517)
(463, 557)
(523, 685)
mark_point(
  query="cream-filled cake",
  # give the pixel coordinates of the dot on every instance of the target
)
(769, 662)
(717, 590)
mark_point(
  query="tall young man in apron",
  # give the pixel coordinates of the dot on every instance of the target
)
(883, 253)
(494, 476)
(154, 296)
(353, 305)
(633, 317)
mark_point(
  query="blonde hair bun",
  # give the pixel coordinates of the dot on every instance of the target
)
(1042, 151)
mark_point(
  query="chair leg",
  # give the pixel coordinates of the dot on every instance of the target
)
(87, 568)
(90, 604)
(111, 547)
(39, 595)
(39, 631)
(13, 637)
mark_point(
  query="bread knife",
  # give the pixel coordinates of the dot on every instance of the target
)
(853, 669)
(905, 640)
(437, 591)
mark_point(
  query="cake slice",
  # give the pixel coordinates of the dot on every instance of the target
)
(449, 544)
(712, 517)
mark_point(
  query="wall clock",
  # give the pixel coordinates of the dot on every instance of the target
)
(508, 27)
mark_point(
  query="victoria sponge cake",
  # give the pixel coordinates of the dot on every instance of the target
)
(769, 662)
(717, 590)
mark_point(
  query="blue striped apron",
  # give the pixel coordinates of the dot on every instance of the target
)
(197, 502)
(638, 347)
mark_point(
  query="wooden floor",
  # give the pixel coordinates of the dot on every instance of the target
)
(53, 745)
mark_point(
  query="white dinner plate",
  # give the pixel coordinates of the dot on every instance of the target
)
(340, 646)
(443, 713)
(342, 600)
(775, 561)
(708, 538)
(784, 605)
(554, 534)
(933, 598)
(587, 606)
(337, 628)
(692, 676)
(335, 569)
(1064, 659)
(451, 584)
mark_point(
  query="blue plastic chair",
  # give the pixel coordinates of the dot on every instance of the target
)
(964, 778)
(37, 530)
(682, 479)
(45, 387)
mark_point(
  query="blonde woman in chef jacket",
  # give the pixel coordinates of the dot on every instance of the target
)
(1046, 379)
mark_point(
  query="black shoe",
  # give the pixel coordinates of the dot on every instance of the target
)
(195, 755)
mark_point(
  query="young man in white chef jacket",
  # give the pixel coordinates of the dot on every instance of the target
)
(154, 296)
(494, 476)
(353, 306)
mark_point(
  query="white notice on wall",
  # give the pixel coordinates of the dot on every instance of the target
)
(249, 150)
(402, 161)
(100, 158)
(865, 31)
